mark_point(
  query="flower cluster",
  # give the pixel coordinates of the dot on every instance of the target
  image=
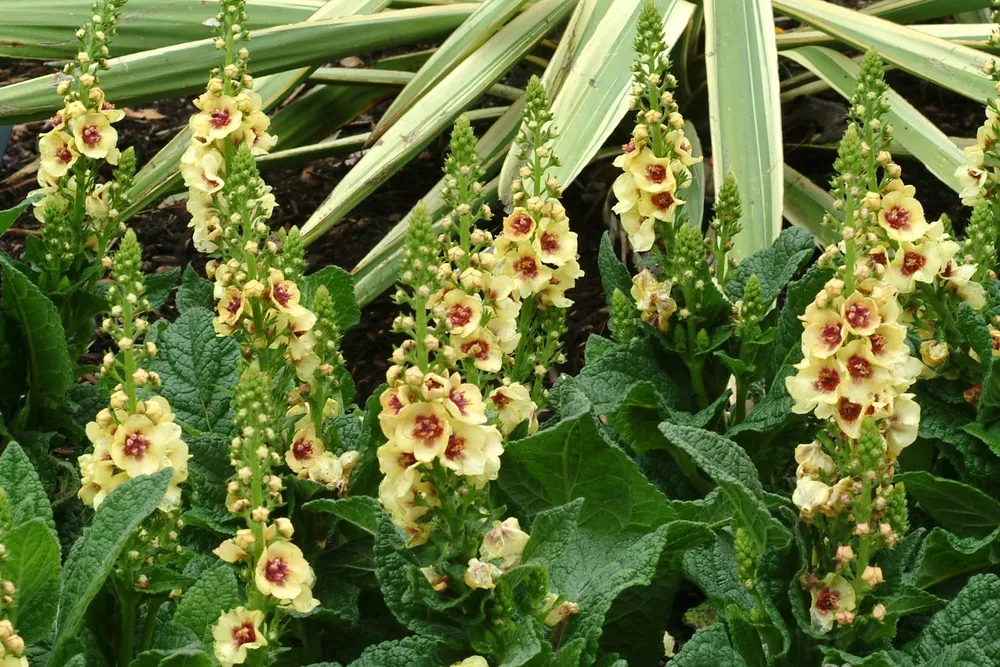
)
(434, 422)
(11, 646)
(136, 434)
(77, 207)
(857, 367)
(656, 161)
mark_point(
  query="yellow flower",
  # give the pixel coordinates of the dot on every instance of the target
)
(888, 344)
(913, 263)
(398, 467)
(57, 153)
(630, 152)
(563, 279)
(97, 470)
(934, 352)
(423, 430)
(461, 312)
(464, 401)
(504, 542)
(393, 400)
(229, 551)
(326, 469)
(817, 382)
(847, 414)
(472, 661)
(972, 175)
(482, 347)
(523, 266)
(432, 386)
(514, 405)
(238, 631)
(652, 297)
(219, 117)
(833, 596)
(94, 135)
(626, 192)
(284, 293)
(305, 447)
(201, 167)
(284, 573)
(473, 451)
(813, 461)
(860, 314)
(652, 174)
(903, 424)
(641, 229)
(255, 134)
(555, 243)
(901, 215)
(480, 575)
(862, 376)
(519, 225)
(959, 279)
(401, 504)
(230, 309)
(661, 205)
(139, 446)
(824, 332)
(683, 150)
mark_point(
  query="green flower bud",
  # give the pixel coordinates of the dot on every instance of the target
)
(729, 207)
(746, 558)
(292, 260)
(896, 510)
(623, 321)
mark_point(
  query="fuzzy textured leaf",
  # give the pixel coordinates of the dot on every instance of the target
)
(198, 369)
(215, 592)
(32, 565)
(962, 509)
(93, 556)
(774, 265)
(25, 492)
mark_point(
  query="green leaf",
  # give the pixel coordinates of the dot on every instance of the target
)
(25, 492)
(709, 647)
(94, 555)
(159, 286)
(198, 369)
(32, 565)
(960, 508)
(946, 64)
(214, 593)
(141, 78)
(593, 96)
(362, 511)
(50, 370)
(433, 112)
(726, 463)
(913, 131)
(911, 11)
(973, 617)
(944, 556)
(607, 381)
(416, 651)
(805, 204)
(592, 568)
(341, 287)
(482, 24)
(774, 266)
(185, 657)
(745, 114)
(614, 274)
(194, 292)
(572, 460)
(10, 216)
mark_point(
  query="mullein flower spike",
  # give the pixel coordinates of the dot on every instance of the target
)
(257, 277)
(893, 268)
(78, 212)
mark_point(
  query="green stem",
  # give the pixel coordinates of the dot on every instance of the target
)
(126, 637)
(152, 608)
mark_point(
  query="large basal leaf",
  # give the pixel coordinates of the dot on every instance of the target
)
(50, 370)
(215, 592)
(951, 66)
(745, 114)
(774, 266)
(913, 130)
(25, 493)
(32, 565)
(181, 69)
(972, 617)
(592, 568)
(45, 30)
(962, 509)
(479, 27)
(198, 369)
(415, 651)
(93, 556)
(436, 110)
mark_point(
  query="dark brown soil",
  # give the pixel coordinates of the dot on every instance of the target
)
(299, 190)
